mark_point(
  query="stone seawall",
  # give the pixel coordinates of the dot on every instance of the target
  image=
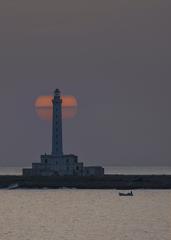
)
(103, 182)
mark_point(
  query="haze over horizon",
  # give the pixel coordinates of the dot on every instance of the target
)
(114, 57)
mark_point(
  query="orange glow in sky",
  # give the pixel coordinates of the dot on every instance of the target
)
(46, 101)
(43, 106)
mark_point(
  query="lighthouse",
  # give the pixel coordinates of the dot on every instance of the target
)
(57, 146)
(57, 163)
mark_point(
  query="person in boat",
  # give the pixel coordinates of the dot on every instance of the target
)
(126, 194)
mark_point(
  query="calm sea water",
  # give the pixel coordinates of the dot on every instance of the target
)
(84, 215)
(138, 170)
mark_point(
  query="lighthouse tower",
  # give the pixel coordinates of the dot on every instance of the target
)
(57, 146)
(57, 163)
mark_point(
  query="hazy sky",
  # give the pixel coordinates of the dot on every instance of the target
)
(114, 56)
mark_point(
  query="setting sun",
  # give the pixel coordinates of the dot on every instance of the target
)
(46, 101)
(43, 105)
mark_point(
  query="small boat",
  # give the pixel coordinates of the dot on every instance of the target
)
(13, 186)
(126, 194)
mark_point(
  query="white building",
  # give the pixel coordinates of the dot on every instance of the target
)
(58, 163)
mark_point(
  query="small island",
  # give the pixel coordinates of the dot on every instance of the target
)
(57, 163)
(58, 170)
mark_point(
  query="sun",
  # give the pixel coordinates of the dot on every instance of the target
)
(46, 101)
(43, 106)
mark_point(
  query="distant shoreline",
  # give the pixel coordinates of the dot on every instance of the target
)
(110, 181)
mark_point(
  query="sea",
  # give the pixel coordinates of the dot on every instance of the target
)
(72, 214)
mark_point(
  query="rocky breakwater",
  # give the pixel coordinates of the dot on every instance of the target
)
(91, 182)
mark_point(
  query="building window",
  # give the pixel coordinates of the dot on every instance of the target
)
(45, 160)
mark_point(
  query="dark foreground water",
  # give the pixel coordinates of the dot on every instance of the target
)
(84, 215)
